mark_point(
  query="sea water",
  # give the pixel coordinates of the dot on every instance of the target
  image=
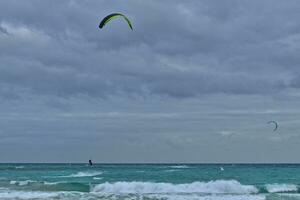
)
(150, 181)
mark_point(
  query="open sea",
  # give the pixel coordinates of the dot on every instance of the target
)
(150, 181)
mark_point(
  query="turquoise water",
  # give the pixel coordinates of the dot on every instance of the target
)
(136, 181)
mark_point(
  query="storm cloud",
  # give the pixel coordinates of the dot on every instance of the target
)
(189, 73)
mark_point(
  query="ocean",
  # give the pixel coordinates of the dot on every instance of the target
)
(150, 181)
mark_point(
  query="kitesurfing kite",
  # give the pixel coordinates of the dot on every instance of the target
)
(275, 123)
(112, 16)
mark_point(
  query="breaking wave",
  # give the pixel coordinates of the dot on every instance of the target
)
(276, 188)
(83, 174)
(179, 166)
(21, 183)
(212, 187)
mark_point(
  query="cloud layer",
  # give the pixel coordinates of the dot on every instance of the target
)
(187, 64)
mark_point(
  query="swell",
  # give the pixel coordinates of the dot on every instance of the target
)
(47, 186)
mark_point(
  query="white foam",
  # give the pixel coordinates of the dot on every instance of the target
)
(26, 195)
(83, 174)
(180, 166)
(54, 183)
(207, 197)
(19, 167)
(30, 195)
(13, 182)
(38, 195)
(212, 187)
(273, 188)
(27, 182)
(97, 178)
(21, 183)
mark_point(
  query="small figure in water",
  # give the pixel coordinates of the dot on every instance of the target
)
(90, 162)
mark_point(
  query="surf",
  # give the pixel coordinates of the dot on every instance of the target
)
(211, 187)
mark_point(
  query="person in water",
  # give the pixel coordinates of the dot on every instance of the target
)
(90, 162)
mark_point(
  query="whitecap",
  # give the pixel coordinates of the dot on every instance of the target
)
(54, 183)
(97, 178)
(180, 166)
(21, 183)
(83, 174)
(274, 188)
(212, 187)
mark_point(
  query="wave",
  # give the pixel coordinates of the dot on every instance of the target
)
(171, 170)
(212, 187)
(97, 178)
(83, 174)
(28, 195)
(21, 183)
(55, 183)
(53, 186)
(180, 166)
(275, 188)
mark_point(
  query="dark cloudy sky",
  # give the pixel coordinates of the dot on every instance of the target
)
(195, 81)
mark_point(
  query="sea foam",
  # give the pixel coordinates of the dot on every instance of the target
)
(180, 167)
(274, 188)
(83, 174)
(212, 187)
(26, 195)
(205, 197)
(37, 195)
(30, 195)
(21, 183)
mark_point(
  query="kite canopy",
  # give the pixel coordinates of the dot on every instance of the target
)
(112, 16)
(275, 123)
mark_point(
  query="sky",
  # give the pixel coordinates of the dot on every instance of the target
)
(195, 81)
